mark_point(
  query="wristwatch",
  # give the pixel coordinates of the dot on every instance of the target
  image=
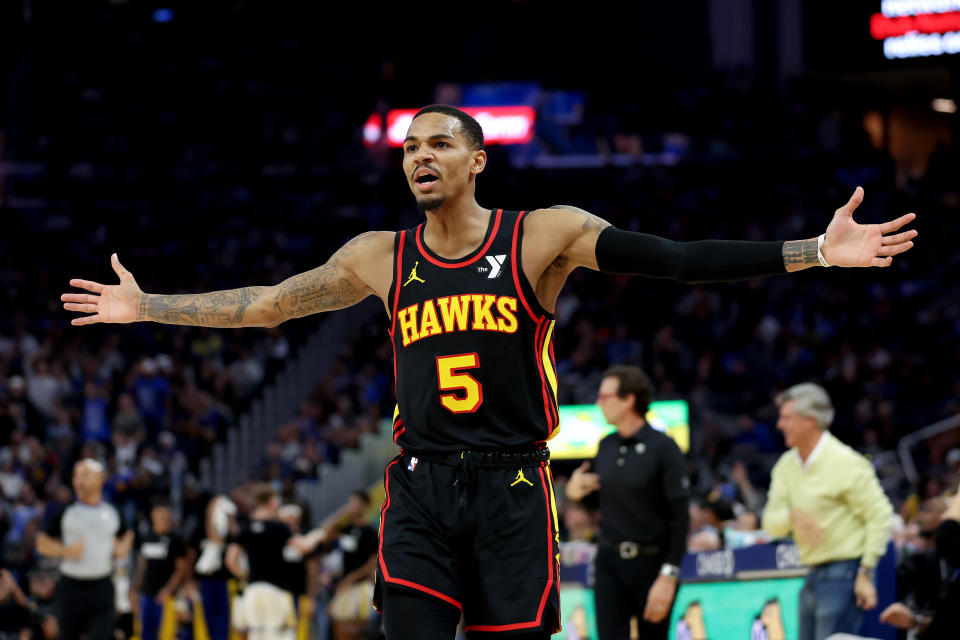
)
(670, 570)
(869, 572)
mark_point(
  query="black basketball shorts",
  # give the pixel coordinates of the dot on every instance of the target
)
(478, 531)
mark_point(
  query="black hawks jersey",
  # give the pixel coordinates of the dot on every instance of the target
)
(473, 348)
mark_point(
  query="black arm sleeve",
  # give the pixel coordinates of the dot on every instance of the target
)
(642, 254)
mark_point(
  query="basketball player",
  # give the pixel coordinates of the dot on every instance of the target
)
(298, 573)
(468, 524)
(266, 610)
(217, 588)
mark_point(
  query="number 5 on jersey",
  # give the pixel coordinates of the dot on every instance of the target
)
(450, 377)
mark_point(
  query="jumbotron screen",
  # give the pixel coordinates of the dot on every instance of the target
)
(582, 426)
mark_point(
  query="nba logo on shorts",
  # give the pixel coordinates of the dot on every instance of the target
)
(413, 463)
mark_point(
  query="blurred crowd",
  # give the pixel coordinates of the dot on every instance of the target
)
(324, 583)
(147, 155)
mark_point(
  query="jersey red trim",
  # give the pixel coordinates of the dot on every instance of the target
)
(398, 428)
(397, 274)
(464, 263)
(556, 401)
(393, 320)
(515, 266)
(383, 564)
(538, 340)
(550, 392)
(550, 577)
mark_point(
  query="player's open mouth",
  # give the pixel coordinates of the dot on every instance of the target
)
(426, 180)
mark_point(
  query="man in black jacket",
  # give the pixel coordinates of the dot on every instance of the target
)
(643, 492)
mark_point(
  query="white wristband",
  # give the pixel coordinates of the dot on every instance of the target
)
(823, 261)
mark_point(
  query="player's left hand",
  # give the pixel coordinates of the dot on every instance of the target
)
(659, 599)
(848, 244)
(865, 592)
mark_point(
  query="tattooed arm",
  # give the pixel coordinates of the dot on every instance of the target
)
(359, 268)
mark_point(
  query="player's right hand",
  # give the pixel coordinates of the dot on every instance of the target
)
(116, 303)
(73, 551)
(582, 482)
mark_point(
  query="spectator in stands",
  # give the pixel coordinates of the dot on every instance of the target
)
(579, 522)
(840, 538)
(751, 497)
(23, 414)
(95, 425)
(718, 515)
(128, 420)
(153, 395)
(920, 572)
(45, 386)
(942, 620)
(42, 586)
(14, 612)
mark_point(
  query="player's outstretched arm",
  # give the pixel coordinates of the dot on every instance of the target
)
(582, 239)
(354, 272)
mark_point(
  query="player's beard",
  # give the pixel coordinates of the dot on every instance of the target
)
(431, 203)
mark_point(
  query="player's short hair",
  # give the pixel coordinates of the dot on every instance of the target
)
(263, 494)
(472, 130)
(809, 400)
(633, 380)
(363, 495)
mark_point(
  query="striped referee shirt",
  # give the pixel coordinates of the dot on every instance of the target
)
(98, 525)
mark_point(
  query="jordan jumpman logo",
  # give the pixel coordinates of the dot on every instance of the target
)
(520, 478)
(414, 276)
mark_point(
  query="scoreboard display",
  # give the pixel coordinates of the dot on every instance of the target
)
(917, 28)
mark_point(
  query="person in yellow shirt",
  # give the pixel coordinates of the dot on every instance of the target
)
(827, 495)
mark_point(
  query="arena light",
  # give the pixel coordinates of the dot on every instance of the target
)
(917, 28)
(501, 125)
(163, 15)
(944, 105)
(372, 130)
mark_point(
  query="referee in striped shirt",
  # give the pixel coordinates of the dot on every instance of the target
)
(86, 535)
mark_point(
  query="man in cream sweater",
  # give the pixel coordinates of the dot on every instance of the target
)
(827, 495)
